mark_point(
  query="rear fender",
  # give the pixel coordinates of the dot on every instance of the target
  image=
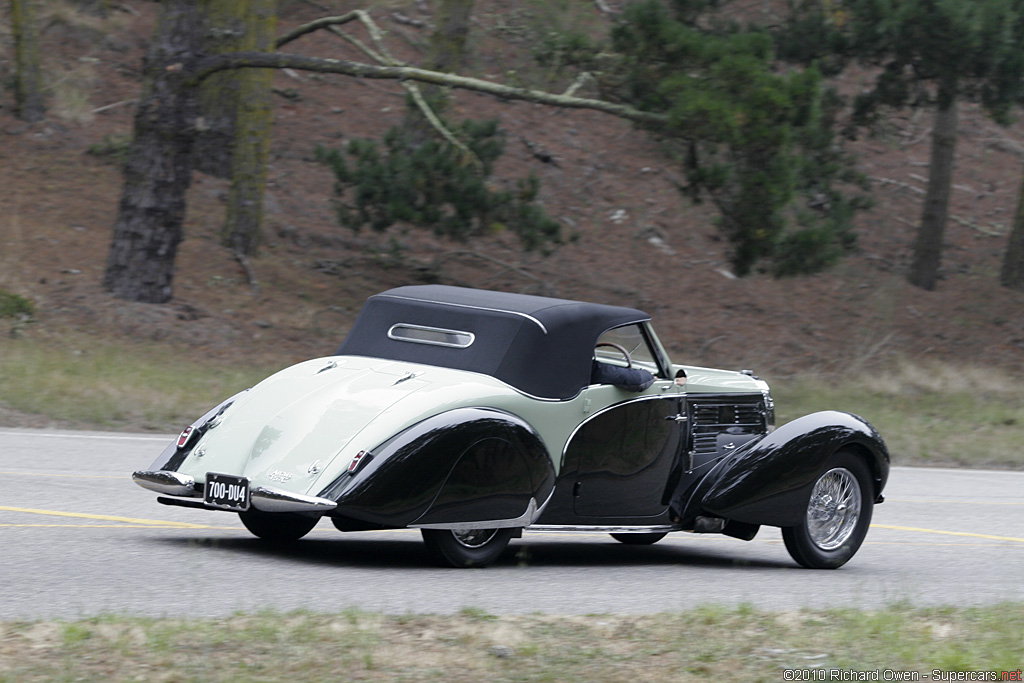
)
(174, 455)
(769, 481)
(462, 466)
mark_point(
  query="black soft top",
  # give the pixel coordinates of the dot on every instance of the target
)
(539, 345)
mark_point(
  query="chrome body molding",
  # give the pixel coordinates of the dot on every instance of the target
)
(474, 308)
(615, 406)
(598, 529)
(165, 481)
(522, 520)
(268, 499)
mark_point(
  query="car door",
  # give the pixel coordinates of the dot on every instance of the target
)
(625, 457)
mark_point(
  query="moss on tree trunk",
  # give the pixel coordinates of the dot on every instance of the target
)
(28, 93)
(251, 148)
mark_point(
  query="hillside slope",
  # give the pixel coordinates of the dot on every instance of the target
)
(638, 242)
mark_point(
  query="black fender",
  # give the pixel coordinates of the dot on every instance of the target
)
(769, 481)
(464, 465)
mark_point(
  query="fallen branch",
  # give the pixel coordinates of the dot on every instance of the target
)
(974, 226)
(108, 107)
(905, 186)
(490, 259)
(249, 273)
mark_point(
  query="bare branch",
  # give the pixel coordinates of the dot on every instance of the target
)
(387, 59)
(580, 81)
(400, 18)
(263, 60)
(300, 31)
(417, 97)
(604, 7)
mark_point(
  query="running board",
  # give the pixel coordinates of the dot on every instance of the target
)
(580, 528)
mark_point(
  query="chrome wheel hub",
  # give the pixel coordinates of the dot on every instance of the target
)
(834, 509)
(474, 538)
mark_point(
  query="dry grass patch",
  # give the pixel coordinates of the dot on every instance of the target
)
(928, 413)
(708, 643)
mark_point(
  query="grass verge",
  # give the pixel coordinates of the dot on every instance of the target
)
(117, 385)
(707, 643)
(929, 414)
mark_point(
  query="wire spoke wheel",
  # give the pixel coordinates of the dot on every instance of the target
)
(837, 516)
(466, 548)
(834, 508)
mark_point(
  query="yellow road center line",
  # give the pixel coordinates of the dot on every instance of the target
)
(168, 525)
(989, 537)
(954, 502)
(105, 518)
(69, 476)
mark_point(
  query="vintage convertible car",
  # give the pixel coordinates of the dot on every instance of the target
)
(473, 415)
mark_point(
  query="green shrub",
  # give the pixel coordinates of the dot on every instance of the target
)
(433, 185)
(14, 306)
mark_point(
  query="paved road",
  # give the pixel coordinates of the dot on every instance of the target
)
(78, 538)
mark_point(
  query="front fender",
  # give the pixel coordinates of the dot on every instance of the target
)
(464, 465)
(769, 481)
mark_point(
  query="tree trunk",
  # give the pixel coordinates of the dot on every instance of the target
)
(224, 32)
(1012, 273)
(924, 269)
(140, 265)
(251, 147)
(447, 54)
(28, 93)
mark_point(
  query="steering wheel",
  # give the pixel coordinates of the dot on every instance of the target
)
(620, 349)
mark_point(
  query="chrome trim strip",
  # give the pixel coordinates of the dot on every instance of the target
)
(267, 499)
(431, 342)
(165, 481)
(540, 510)
(475, 308)
(522, 521)
(654, 529)
(602, 411)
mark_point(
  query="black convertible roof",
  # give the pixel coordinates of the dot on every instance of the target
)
(539, 345)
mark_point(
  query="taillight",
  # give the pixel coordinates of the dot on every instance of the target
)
(184, 437)
(358, 460)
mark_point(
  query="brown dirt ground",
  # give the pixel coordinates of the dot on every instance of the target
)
(639, 243)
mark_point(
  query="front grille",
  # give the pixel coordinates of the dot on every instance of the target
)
(724, 416)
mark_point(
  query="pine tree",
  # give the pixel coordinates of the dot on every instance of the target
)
(929, 53)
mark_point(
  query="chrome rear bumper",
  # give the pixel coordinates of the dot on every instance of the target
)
(163, 481)
(263, 498)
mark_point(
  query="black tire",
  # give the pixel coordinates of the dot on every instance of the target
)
(277, 527)
(639, 539)
(464, 549)
(837, 516)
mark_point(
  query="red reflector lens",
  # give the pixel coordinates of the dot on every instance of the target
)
(354, 465)
(183, 437)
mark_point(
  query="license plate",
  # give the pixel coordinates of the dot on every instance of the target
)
(227, 492)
